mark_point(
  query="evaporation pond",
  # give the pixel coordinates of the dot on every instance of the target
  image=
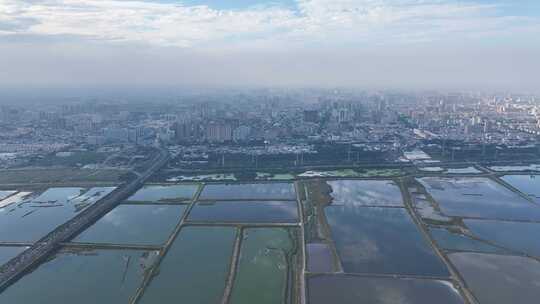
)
(164, 193)
(30, 220)
(528, 184)
(465, 170)
(450, 240)
(17, 198)
(519, 236)
(6, 193)
(7, 253)
(134, 224)
(347, 289)
(524, 168)
(195, 269)
(365, 193)
(275, 191)
(91, 196)
(499, 279)
(427, 211)
(381, 240)
(83, 276)
(245, 211)
(319, 257)
(479, 197)
(265, 272)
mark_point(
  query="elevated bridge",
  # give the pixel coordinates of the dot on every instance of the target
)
(49, 244)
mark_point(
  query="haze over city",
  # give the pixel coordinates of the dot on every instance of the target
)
(403, 44)
(269, 152)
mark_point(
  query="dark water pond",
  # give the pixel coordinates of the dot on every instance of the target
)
(365, 193)
(519, 236)
(276, 191)
(245, 211)
(319, 257)
(381, 240)
(7, 253)
(266, 267)
(500, 279)
(134, 224)
(346, 289)
(195, 269)
(528, 184)
(458, 242)
(479, 197)
(30, 220)
(83, 276)
(163, 193)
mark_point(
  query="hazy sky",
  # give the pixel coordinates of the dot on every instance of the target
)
(420, 44)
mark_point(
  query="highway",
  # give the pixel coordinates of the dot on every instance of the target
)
(49, 244)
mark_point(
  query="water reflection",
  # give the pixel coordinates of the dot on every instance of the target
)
(195, 268)
(522, 237)
(524, 168)
(164, 193)
(319, 258)
(346, 289)
(91, 196)
(465, 170)
(74, 276)
(6, 193)
(7, 253)
(528, 184)
(58, 195)
(479, 197)
(30, 219)
(245, 211)
(455, 241)
(249, 191)
(14, 199)
(427, 210)
(500, 279)
(365, 193)
(134, 224)
(381, 240)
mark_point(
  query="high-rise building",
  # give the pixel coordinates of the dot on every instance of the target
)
(311, 116)
(187, 131)
(241, 133)
(218, 132)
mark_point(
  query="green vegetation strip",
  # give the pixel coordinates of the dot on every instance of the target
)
(154, 271)
(266, 267)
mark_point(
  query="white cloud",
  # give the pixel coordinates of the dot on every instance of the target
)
(366, 43)
(323, 22)
(135, 21)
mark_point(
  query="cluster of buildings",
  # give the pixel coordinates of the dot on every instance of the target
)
(256, 120)
(215, 131)
(493, 119)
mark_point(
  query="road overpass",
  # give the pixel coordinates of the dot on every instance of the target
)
(49, 244)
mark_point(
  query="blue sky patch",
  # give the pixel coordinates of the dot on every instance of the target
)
(234, 4)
